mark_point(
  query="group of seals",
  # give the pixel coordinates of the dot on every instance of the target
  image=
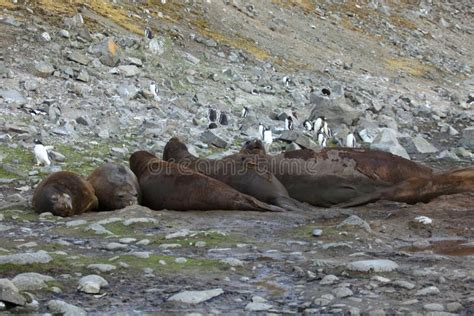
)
(166, 185)
(65, 193)
(248, 180)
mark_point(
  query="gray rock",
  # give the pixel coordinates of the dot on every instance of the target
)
(233, 262)
(430, 290)
(467, 139)
(12, 96)
(157, 45)
(26, 258)
(434, 307)
(83, 76)
(10, 294)
(115, 246)
(378, 265)
(329, 279)
(98, 229)
(74, 21)
(209, 137)
(317, 232)
(195, 297)
(107, 51)
(64, 33)
(43, 69)
(355, 221)
(31, 281)
(306, 142)
(84, 120)
(129, 70)
(289, 136)
(454, 307)
(102, 267)
(258, 304)
(191, 58)
(92, 284)
(387, 141)
(403, 284)
(448, 156)
(127, 91)
(333, 107)
(341, 292)
(324, 300)
(65, 309)
(420, 145)
(79, 58)
(134, 61)
(140, 220)
(31, 85)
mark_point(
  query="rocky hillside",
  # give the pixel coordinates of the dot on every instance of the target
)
(83, 77)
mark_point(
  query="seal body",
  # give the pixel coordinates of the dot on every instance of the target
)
(333, 176)
(167, 185)
(244, 176)
(64, 193)
(115, 186)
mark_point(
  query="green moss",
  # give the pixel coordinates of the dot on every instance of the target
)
(81, 160)
(20, 215)
(212, 239)
(19, 158)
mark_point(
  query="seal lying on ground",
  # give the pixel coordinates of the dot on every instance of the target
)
(115, 186)
(332, 176)
(422, 189)
(166, 185)
(244, 176)
(64, 193)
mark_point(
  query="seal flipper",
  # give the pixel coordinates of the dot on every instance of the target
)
(361, 200)
(293, 205)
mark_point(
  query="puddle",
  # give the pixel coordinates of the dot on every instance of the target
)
(446, 247)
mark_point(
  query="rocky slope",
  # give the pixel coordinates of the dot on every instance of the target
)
(78, 75)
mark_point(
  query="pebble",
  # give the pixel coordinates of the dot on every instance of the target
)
(258, 304)
(9, 293)
(378, 265)
(180, 260)
(233, 262)
(454, 307)
(341, 292)
(403, 284)
(329, 279)
(355, 221)
(76, 222)
(141, 220)
(65, 309)
(128, 240)
(178, 234)
(31, 281)
(317, 232)
(115, 246)
(102, 267)
(26, 258)
(434, 307)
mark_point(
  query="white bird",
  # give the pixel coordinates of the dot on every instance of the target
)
(308, 125)
(267, 138)
(326, 130)
(318, 124)
(351, 140)
(148, 33)
(261, 129)
(322, 140)
(41, 153)
(245, 111)
(153, 91)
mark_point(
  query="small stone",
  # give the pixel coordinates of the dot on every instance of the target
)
(157, 45)
(191, 58)
(26, 258)
(341, 292)
(45, 37)
(329, 279)
(92, 284)
(258, 304)
(355, 221)
(403, 284)
(83, 76)
(233, 262)
(115, 246)
(379, 278)
(98, 229)
(180, 260)
(134, 61)
(169, 246)
(102, 267)
(65, 309)
(317, 232)
(454, 307)
(430, 290)
(79, 58)
(141, 220)
(196, 297)
(127, 240)
(129, 70)
(12, 96)
(9, 293)
(43, 69)
(434, 307)
(200, 244)
(141, 254)
(64, 33)
(144, 242)
(179, 234)
(31, 85)
(379, 265)
(467, 139)
(209, 137)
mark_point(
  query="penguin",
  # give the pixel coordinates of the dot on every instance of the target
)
(267, 137)
(285, 80)
(326, 130)
(322, 139)
(351, 140)
(245, 111)
(41, 153)
(153, 91)
(148, 33)
(223, 119)
(326, 92)
(289, 123)
(212, 115)
(308, 125)
(318, 123)
(261, 129)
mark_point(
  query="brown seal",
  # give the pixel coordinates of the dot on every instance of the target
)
(166, 185)
(64, 193)
(422, 189)
(244, 176)
(253, 147)
(115, 186)
(333, 176)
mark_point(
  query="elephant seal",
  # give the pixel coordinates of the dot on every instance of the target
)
(333, 176)
(64, 193)
(253, 147)
(166, 185)
(244, 176)
(422, 189)
(115, 186)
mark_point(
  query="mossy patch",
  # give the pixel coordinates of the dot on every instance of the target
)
(19, 158)
(410, 66)
(81, 160)
(305, 5)
(20, 215)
